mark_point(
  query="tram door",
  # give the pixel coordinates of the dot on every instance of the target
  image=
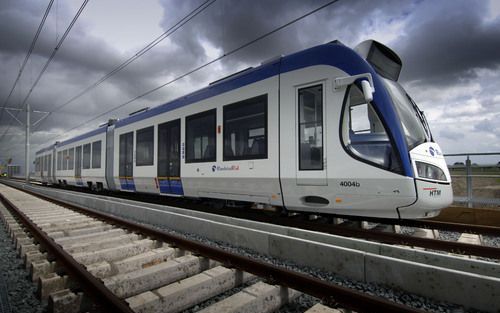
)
(42, 159)
(311, 153)
(54, 166)
(126, 162)
(78, 165)
(49, 168)
(169, 166)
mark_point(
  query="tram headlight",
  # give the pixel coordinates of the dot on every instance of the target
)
(426, 170)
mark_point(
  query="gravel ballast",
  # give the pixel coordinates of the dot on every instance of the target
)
(395, 295)
(21, 292)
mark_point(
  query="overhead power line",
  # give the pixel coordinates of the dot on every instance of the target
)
(30, 50)
(56, 49)
(203, 65)
(139, 53)
(59, 44)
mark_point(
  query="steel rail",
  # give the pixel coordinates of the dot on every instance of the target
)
(458, 227)
(328, 292)
(90, 284)
(383, 237)
(390, 238)
(431, 224)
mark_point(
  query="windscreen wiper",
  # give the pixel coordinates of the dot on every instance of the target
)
(421, 116)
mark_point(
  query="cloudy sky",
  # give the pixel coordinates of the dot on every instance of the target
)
(450, 52)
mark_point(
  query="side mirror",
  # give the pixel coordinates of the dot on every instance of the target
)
(366, 84)
(367, 90)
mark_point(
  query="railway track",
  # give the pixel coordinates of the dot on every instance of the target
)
(468, 242)
(129, 267)
(325, 251)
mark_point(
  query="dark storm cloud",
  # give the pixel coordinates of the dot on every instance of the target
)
(18, 25)
(446, 41)
(441, 42)
(81, 61)
(230, 24)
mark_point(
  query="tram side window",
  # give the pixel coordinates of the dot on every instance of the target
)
(144, 146)
(59, 160)
(86, 156)
(200, 137)
(96, 154)
(311, 128)
(364, 134)
(245, 129)
(65, 160)
(71, 159)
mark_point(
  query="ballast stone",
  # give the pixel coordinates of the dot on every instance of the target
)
(133, 283)
(90, 237)
(115, 253)
(188, 292)
(258, 298)
(320, 308)
(102, 244)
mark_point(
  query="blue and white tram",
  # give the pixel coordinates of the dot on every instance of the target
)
(44, 161)
(328, 130)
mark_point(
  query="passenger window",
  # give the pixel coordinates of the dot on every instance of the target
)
(364, 134)
(96, 154)
(245, 129)
(144, 146)
(71, 158)
(86, 156)
(65, 160)
(311, 128)
(200, 137)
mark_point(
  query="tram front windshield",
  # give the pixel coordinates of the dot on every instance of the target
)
(412, 119)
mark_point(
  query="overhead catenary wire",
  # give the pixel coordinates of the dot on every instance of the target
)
(49, 60)
(224, 55)
(139, 53)
(30, 50)
(59, 44)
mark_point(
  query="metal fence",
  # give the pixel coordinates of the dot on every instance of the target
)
(475, 184)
